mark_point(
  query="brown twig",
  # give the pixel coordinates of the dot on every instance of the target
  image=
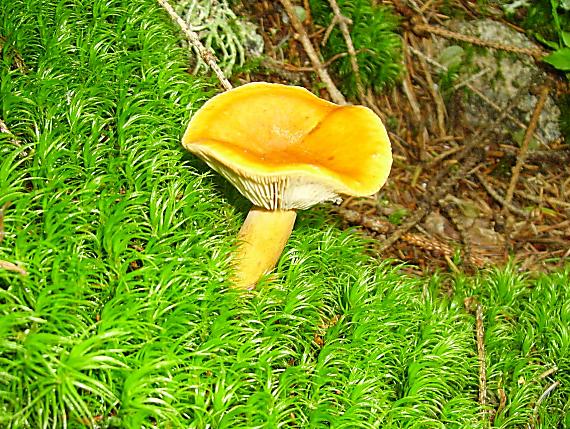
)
(421, 29)
(342, 23)
(9, 266)
(2, 211)
(333, 91)
(436, 97)
(524, 147)
(424, 242)
(498, 198)
(407, 85)
(329, 30)
(480, 333)
(403, 229)
(208, 57)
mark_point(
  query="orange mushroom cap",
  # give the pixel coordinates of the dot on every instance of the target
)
(284, 148)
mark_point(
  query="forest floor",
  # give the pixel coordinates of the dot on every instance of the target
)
(475, 180)
(116, 308)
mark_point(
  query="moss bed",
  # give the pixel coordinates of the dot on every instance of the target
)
(118, 314)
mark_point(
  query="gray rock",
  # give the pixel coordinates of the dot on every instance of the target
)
(505, 78)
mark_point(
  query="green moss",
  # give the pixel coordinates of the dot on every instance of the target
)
(564, 104)
(125, 320)
(545, 19)
(373, 33)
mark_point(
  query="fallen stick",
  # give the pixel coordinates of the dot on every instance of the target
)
(9, 266)
(524, 147)
(480, 334)
(342, 21)
(424, 242)
(498, 198)
(421, 29)
(333, 91)
(208, 57)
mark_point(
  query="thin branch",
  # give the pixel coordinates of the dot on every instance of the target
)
(208, 57)
(335, 94)
(440, 107)
(2, 211)
(403, 229)
(424, 242)
(498, 198)
(342, 23)
(328, 31)
(480, 333)
(524, 147)
(421, 29)
(9, 266)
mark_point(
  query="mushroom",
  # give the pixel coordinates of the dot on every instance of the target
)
(285, 150)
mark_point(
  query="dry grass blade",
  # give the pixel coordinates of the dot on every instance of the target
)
(2, 211)
(542, 397)
(13, 140)
(437, 99)
(10, 266)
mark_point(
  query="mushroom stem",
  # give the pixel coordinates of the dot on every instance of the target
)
(262, 239)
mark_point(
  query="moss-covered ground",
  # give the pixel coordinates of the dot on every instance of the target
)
(119, 313)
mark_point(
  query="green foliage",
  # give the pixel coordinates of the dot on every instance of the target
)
(373, 32)
(124, 319)
(527, 343)
(453, 58)
(564, 103)
(549, 22)
(560, 58)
